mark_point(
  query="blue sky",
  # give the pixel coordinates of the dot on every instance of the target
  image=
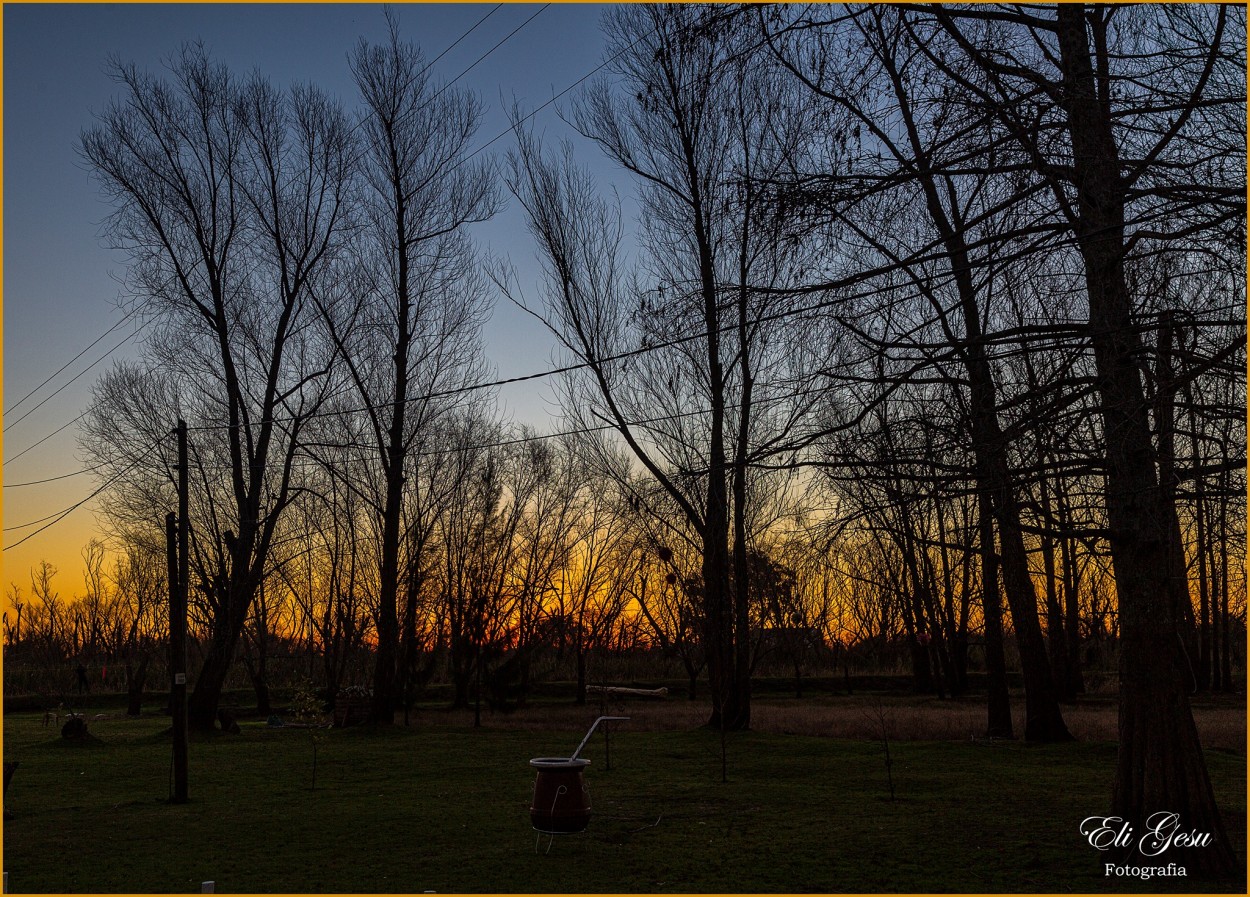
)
(61, 284)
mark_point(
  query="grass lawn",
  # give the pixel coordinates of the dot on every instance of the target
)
(441, 807)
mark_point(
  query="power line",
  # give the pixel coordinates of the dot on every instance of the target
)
(61, 515)
(645, 348)
(541, 374)
(401, 120)
(478, 447)
(13, 407)
(538, 109)
(579, 431)
(476, 386)
(1073, 328)
(366, 118)
(503, 41)
(527, 117)
(64, 476)
(1078, 329)
(500, 135)
(57, 516)
(71, 380)
(59, 429)
(454, 43)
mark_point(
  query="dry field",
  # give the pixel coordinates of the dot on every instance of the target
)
(1221, 721)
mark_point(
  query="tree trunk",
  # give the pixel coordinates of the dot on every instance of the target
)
(261, 687)
(959, 634)
(256, 672)
(741, 562)
(206, 697)
(1159, 767)
(999, 709)
(1071, 597)
(408, 646)
(718, 607)
(1043, 719)
(959, 662)
(1204, 597)
(1226, 655)
(1218, 577)
(1056, 633)
(579, 697)
(257, 663)
(1201, 554)
(1072, 621)
(136, 678)
(382, 711)
(741, 718)
(1165, 413)
(461, 676)
(921, 671)
(937, 641)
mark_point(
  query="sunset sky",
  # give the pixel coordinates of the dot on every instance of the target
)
(62, 284)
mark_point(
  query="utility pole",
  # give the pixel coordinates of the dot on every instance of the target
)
(178, 578)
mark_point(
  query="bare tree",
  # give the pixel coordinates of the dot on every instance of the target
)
(668, 590)
(140, 592)
(1113, 115)
(229, 200)
(937, 168)
(408, 322)
(590, 588)
(700, 126)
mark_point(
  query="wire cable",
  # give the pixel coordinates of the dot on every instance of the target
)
(520, 378)
(454, 43)
(59, 429)
(64, 476)
(401, 120)
(503, 41)
(647, 347)
(62, 514)
(539, 109)
(70, 381)
(13, 407)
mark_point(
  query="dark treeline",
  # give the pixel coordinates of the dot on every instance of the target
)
(928, 338)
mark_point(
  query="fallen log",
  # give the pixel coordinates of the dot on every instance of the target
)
(615, 691)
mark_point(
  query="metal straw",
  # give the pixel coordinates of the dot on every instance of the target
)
(594, 726)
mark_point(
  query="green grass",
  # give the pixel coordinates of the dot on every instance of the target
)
(445, 808)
